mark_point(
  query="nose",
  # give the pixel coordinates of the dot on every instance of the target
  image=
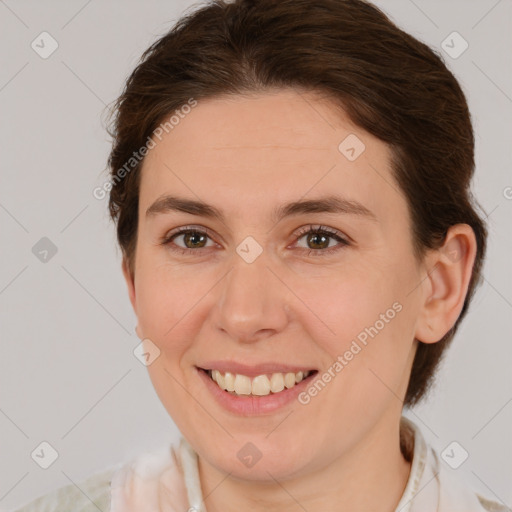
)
(252, 303)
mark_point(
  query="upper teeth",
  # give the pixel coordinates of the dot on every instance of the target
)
(261, 385)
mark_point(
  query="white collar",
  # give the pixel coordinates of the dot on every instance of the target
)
(431, 487)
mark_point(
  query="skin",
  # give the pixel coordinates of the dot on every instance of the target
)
(247, 155)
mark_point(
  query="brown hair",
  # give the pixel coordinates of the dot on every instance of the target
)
(389, 83)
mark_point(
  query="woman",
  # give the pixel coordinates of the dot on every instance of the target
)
(290, 183)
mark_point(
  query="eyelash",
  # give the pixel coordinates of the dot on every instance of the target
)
(318, 230)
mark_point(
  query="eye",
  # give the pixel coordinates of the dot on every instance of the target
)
(192, 237)
(195, 238)
(318, 238)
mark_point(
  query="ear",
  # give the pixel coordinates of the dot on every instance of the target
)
(130, 284)
(446, 284)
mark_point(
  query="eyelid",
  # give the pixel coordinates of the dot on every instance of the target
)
(183, 229)
(298, 233)
(343, 240)
(314, 228)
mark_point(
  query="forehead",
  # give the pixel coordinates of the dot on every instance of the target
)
(284, 119)
(278, 146)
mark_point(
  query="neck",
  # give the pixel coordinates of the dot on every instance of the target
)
(371, 476)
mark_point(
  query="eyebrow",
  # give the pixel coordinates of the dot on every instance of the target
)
(328, 204)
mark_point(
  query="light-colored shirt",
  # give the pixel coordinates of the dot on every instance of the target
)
(167, 480)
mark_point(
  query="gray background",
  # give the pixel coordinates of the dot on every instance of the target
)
(68, 373)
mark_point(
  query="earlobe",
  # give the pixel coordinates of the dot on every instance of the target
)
(130, 284)
(446, 284)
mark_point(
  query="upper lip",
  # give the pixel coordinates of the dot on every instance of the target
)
(253, 370)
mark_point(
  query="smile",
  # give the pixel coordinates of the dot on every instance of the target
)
(260, 385)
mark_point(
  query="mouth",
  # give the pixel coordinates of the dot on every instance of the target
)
(237, 384)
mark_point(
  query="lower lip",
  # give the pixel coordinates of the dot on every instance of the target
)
(245, 405)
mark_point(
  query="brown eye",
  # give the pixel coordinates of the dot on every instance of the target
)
(192, 239)
(318, 240)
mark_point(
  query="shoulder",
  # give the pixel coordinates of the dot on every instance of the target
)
(87, 495)
(456, 491)
(433, 481)
(492, 506)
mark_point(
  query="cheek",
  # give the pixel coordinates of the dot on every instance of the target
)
(364, 324)
(167, 316)
(167, 300)
(343, 303)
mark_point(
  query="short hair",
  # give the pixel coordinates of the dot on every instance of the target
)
(387, 82)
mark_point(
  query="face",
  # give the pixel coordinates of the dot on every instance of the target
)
(260, 285)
